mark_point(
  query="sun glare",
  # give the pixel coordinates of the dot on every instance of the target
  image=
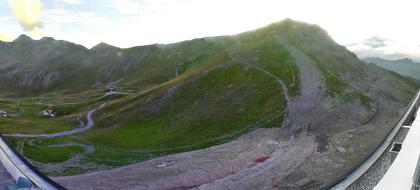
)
(27, 12)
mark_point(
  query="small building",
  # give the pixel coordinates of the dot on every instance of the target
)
(111, 89)
(3, 114)
(49, 112)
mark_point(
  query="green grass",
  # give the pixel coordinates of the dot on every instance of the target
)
(221, 102)
(46, 154)
(406, 80)
(261, 49)
(53, 141)
(335, 85)
(213, 101)
(338, 88)
(216, 98)
(68, 105)
(189, 64)
(32, 122)
(51, 155)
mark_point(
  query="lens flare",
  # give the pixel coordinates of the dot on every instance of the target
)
(27, 12)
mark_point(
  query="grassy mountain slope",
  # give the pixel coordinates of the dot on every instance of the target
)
(209, 100)
(221, 90)
(203, 92)
(47, 65)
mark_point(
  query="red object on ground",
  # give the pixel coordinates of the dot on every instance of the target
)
(261, 159)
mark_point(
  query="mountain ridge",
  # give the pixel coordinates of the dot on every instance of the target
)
(286, 91)
(406, 66)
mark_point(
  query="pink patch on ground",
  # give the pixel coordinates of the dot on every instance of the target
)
(261, 159)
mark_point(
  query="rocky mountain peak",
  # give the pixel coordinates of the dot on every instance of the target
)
(406, 60)
(103, 46)
(47, 39)
(23, 38)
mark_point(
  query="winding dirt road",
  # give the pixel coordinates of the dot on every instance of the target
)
(57, 167)
(82, 128)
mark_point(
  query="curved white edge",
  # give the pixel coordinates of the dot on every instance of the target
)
(17, 168)
(400, 174)
(352, 177)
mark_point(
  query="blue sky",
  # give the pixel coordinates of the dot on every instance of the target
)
(370, 28)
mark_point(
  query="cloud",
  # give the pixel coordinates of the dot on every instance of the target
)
(74, 25)
(64, 17)
(391, 51)
(72, 2)
(375, 42)
(5, 36)
(127, 7)
(6, 19)
(27, 12)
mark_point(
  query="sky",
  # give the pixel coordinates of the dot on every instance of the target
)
(385, 28)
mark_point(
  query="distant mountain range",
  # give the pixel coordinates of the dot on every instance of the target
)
(406, 66)
(301, 98)
(48, 64)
